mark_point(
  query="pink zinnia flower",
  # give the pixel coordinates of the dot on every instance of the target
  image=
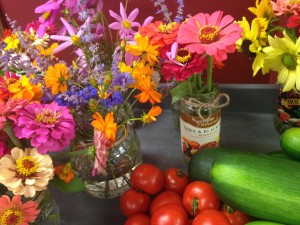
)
(101, 154)
(49, 127)
(74, 37)
(213, 34)
(15, 212)
(281, 7)
(125, 23)
(9, 109)
(181, 64)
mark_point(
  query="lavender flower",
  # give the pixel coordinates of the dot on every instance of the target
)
(115, 98)
(179, 16)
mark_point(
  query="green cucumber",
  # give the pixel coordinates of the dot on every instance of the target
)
(290, 142)
(259, 185)
(200, 164)
(280, 154)
(263, 223)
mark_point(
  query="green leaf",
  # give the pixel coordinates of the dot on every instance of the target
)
(76, 185)
(179, 91)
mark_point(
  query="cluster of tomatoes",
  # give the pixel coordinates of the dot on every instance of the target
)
(169, 198)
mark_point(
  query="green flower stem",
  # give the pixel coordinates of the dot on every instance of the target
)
(126, 121)
(209, 72)
(8, 129)
(199, 81)
(69, 154)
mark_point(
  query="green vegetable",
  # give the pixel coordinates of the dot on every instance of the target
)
(263, 223)
(290, 142)
(259, 185)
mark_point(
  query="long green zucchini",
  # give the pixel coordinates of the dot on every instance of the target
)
(263, 223)
(262, 186)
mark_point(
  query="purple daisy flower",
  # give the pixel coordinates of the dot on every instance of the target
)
(49, 127)
(125, 23)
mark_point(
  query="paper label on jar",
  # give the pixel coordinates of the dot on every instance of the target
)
(197, 134)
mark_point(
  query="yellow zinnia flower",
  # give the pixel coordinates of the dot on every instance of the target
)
(12, 42)
(24, 89)
(56, 78)
(107, 125)
(283, 56)
(144, 49)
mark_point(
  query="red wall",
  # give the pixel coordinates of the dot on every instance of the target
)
(237, 67)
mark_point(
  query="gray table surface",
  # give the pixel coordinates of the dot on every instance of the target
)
(247, 123)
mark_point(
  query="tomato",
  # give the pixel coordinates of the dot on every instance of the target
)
(211, 217)
(134, 202)
(199, 196)
(138, 219)
(148, 178)
(175, 180)
(163, 198)
(234, 216)
(170, 214)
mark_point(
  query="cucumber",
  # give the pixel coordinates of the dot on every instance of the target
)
(280, 154)
(263, 223)
(290, 142)
(259, 185)
(200, 164)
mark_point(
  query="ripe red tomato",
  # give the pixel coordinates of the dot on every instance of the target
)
(163, 198)
(235, 217)
(134, 202)
(175, 180)
(148, 178)
(199, 196)
(211, 217)
(138, 219)
(170, 214)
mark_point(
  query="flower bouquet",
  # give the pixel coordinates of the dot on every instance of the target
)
(271, 39)
(66, 78)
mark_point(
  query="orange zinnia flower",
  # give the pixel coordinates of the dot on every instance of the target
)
(64, 172)
(150, 116)
(56, 78)
(146, 86)
(108, 126)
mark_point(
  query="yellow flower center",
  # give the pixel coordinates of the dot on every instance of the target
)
(183, 56)
(208, 34)
(294, 2)
(75, 39)
(165, 28)
(46, 15)
(47, 117)
(26, 166)
(11, 217)
(126, 24)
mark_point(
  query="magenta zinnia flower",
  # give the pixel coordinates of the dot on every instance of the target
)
(124, 24)
(212, 34)
(101, 154)
(15, 212)
(49, 127)
(281, 7)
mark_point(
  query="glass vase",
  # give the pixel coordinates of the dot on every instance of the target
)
(123, 157)
(200, 121)
(49, 214)
(287, 112)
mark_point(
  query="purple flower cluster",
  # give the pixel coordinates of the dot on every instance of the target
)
(115, 98)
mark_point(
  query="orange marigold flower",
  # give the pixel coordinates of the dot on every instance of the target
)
(64, 172)
(146, 86)
(56, 78)
(108, 126)
(150, 116)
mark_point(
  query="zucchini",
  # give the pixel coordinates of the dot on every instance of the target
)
(259, 185)
(200, 164)
(290, 142)
(263, 223)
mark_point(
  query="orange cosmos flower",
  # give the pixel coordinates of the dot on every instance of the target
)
(108, 126)
(56, 78)
(146, 86)
(150, 116)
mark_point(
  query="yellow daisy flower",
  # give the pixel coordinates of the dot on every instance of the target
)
(12, 42)
(283, 57)
(56, 78)
(263, 9)
(144, 49)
